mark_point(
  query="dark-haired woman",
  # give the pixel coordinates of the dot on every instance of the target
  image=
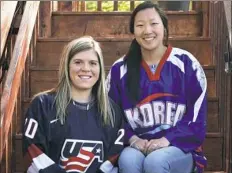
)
(162, 91)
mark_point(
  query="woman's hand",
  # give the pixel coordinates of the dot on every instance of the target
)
(138, 143)
(155, 144)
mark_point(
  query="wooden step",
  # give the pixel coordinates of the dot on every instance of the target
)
(213, 118)
(45, 78)
(212, 148)
(42, 78)
(104, 24)
(48, 51)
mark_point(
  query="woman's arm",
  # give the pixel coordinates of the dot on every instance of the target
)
(35, 139)
(189, 132)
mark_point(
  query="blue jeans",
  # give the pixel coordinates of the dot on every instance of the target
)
(164, 160)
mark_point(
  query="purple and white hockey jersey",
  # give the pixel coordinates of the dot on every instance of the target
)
(172, 101)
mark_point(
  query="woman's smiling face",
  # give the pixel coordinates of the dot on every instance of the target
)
(84, 70)
(149, 29)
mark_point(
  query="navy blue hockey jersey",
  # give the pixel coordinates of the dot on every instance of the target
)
(82, 144)
(172, 101)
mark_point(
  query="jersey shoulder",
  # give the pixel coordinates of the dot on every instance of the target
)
(184, 55)
(118, 67)
(183, 59)
(41, 105)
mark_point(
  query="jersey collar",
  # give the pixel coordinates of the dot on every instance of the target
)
(156, 75)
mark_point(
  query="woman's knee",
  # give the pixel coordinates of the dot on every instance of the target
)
(155, 164)
(170, 159)
(131, 160)
(131, 155)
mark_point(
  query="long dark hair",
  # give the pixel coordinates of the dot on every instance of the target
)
(134, 56)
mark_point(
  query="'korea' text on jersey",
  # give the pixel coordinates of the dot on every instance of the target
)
(174, 96)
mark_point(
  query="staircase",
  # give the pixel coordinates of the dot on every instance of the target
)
(188, 30)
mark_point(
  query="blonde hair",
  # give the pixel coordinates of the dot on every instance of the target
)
(63, 89)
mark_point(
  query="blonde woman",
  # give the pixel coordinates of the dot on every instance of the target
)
(74, 127)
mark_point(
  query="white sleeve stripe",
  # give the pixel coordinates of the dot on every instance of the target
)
(106, 166)
(123, 70)
(41, 162)
(200, 78)
(199, 101)
(177, 62)
(107, 82)
(108, 78)
(32, 169)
